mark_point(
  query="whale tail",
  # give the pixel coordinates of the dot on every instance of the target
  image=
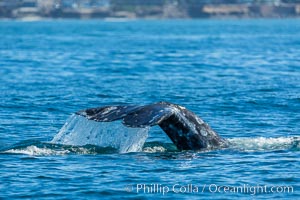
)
(186, 130)
(131, 116)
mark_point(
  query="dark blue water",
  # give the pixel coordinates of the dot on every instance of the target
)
(241, 77)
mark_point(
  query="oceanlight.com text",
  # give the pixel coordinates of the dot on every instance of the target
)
(208, 188)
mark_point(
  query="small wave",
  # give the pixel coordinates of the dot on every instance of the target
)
(237, 144)
(157, 147)
(36, 148)
(265, 144)
(36, 151)
(154, 149)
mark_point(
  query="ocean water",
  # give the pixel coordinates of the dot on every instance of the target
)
(240, 76)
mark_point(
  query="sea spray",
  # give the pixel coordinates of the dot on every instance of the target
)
(264, 144)
(80, 131)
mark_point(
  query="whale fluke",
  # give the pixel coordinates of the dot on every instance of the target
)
(186, 130)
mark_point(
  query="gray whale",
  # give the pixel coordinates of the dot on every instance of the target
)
(186, 130)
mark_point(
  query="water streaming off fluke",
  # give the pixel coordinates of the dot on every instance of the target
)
(80, 131)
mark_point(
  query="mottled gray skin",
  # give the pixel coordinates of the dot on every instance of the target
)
(186, 130)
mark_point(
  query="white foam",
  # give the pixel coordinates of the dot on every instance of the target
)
(264, 144)
(154, 149)
(36, 151)
(80, 131)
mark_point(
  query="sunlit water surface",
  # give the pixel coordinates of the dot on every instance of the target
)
(241, 77)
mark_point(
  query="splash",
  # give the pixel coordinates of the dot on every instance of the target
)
(265, 144)
(80, 131)
(154, 149)
(37, 151)
(159, 147)
(37, 148)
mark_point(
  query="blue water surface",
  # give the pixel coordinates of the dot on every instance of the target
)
(241, 77)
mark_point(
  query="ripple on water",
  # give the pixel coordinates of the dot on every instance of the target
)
(240, 76)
